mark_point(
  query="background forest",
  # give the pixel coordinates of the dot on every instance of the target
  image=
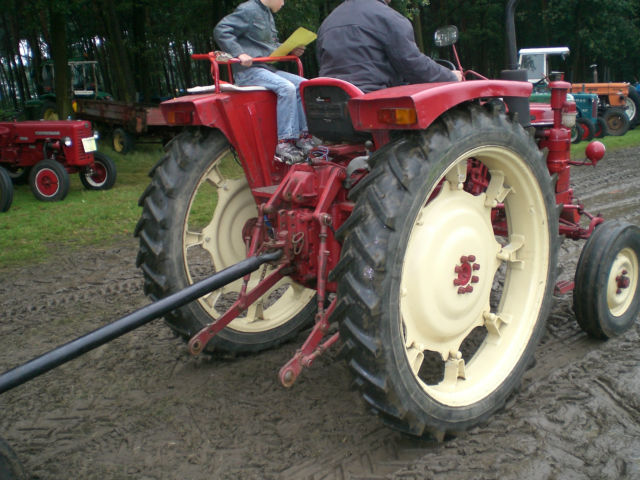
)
(144, 46)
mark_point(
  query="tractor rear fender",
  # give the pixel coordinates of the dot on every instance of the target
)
(415, 107)
(246, 118)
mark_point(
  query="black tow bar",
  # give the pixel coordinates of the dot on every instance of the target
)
(75, 348)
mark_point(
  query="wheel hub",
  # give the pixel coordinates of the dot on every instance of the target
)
(622, 282)
(465, 277)
(47, 182)
(448, 225)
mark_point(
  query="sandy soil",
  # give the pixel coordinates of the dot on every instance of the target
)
(141, 407)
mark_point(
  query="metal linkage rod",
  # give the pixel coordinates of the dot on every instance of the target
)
(75, 348)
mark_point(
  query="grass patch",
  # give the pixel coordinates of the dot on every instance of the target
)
(629, 139)
(33, 231)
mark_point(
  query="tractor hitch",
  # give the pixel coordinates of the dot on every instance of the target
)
(64, 353)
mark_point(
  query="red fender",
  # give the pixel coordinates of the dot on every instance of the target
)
(428, 101)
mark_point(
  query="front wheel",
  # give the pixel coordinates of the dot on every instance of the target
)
(447, 271)
(606, 297)
(588, 129)
(122, 141)
(100, 175)
(195, 215)
(49, 181)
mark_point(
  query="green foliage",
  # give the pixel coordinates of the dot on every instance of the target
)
(144, 46)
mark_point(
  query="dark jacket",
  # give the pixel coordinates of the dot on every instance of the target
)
(370, 45)
(249, 29)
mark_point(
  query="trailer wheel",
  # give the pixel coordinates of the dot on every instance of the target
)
(123, 142)
(440, 311)
(606, 297)
(601, 128)
(101, 175)
(6, 190)
(633, 106)
(588, 129)
(617, 121)
(10, 467)
(194, 213)
(49, 181)
(49, 111)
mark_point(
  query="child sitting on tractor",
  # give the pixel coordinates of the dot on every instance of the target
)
(248, 32)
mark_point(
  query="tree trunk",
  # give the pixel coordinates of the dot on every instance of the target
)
(57, 27)
(119, 61)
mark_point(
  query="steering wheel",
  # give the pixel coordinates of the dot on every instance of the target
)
(446, 63)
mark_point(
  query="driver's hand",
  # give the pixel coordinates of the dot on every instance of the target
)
(245, 60)
(458, 74)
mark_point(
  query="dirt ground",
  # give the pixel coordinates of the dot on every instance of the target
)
(141, 407)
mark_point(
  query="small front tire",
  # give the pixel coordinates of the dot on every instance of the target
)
(606, 297)
(49, 181)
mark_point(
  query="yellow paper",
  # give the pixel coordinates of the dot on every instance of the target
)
(301, 36)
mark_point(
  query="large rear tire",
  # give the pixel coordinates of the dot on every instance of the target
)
(441, 316)
(194, 213)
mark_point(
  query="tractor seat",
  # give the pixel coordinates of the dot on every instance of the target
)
(325, 102)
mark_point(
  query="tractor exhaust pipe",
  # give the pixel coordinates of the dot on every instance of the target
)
(75, 348)
(512, 49)
(517, 105)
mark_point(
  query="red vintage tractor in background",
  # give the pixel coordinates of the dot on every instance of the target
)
(423, 234)
(45, 153)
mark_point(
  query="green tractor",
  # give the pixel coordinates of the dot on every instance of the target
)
(86, 82)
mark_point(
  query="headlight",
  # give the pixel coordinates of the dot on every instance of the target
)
(96, 135)
(67, 141)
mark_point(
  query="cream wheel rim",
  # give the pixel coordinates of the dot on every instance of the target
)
(222, 239)
(622, 282)
(449, 277)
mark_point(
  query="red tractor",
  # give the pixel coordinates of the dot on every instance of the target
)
(423, 234)
(45, 152)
